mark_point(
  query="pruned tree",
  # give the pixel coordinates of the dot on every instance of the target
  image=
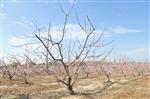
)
(103, 67)
(138, 68)
(70, 56)
(123, 66)
(106, 69)
(7, 70)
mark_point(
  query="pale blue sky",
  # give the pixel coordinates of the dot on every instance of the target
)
(126, 20)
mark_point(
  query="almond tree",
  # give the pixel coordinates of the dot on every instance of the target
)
(106, 69)
(139, 68)
(70, 56)
(124, 66)
(8, 70)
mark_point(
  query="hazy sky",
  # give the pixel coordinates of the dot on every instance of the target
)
(126, 22)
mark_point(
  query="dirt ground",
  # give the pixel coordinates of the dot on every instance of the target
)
(45, 87)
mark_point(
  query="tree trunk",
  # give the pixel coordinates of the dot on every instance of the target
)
(10, 76)
(26, 81)
(70, 86)
(108, 78)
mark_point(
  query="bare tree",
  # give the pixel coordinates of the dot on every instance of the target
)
(70, 56)
(7, 70)
(124, 69)
(106, 70)
(138, 68)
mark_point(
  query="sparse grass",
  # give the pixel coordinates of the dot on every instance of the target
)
(89, 88)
